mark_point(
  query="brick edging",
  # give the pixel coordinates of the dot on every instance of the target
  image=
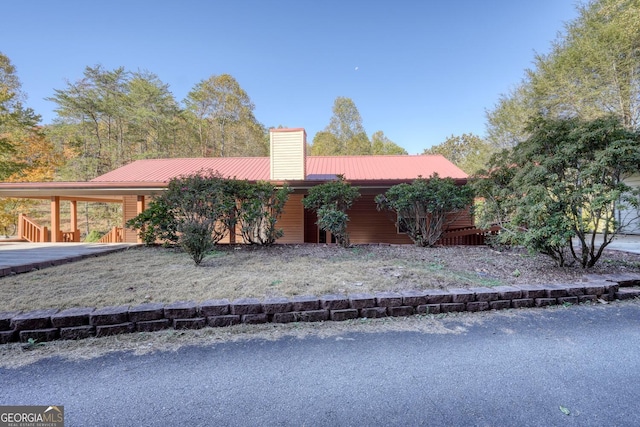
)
(84, 322)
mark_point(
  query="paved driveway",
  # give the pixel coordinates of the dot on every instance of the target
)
(626, 243)
(20, 257)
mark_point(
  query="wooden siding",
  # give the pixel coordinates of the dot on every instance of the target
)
(288, 155)
(367, 225)
(292, 220)
(460, 220)
(129, 210)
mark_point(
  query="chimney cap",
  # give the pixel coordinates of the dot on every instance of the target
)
(288, 130)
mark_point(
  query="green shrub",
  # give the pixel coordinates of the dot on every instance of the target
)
(425, 207)
(93, 236)
(260, 205)
(566, 181)
(155, 224)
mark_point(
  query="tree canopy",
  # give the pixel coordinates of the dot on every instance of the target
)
(468, 151)
(110, 117)
(346, 136)
(222, 116)
(591, 71)
(381, 145)
(17, 123)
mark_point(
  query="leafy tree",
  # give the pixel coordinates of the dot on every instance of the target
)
(564, 182)
(381, 145)
(26, 154)
(331, 201)
(325, 144)
(94, 109)
(592, 70)
(345, 134)
(152, 117)
(424, 208)
(506, 123)
(222, 115)
(469, 152)
(110, 117)
(17, 123)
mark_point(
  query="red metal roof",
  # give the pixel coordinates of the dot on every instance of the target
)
(251, 168)
(359, 168)
(355, 168)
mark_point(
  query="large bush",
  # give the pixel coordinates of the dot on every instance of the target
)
(424, 208)
(259, 207)
(197, 211)
(565, 182)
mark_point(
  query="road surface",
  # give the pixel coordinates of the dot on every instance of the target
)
(578, 366)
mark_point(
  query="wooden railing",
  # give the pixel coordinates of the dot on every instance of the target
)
(70, 236)
(30, 231)
(466, 236)
(116, 235)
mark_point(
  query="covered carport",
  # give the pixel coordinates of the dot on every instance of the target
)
(131, 195)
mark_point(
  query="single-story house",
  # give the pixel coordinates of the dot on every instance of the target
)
(133, 185)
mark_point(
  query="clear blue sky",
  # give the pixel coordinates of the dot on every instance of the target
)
(418, 70)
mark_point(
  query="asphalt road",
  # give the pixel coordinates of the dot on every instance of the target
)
(519, 370)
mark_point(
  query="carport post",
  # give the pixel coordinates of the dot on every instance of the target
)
(140, 206)
(55, 218)
(74, 220)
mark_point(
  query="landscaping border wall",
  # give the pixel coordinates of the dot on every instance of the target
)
(84, 322)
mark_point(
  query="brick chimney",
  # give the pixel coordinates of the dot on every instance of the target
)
(288, 154)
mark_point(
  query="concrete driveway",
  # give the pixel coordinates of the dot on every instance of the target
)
(20, 257)
(624, 242)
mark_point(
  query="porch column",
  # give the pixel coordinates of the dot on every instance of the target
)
(55, 218)
(140, 206)
(74, 221)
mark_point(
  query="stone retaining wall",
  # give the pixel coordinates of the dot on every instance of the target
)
(79, 323)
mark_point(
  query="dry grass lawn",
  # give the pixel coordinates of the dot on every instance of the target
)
(157, 274)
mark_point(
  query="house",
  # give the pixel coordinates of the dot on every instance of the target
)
(630, 219)
(134, 184)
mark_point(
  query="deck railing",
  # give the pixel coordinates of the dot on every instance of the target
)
(466, 236)
(30, 231)
(70, 236)
(116, 235)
